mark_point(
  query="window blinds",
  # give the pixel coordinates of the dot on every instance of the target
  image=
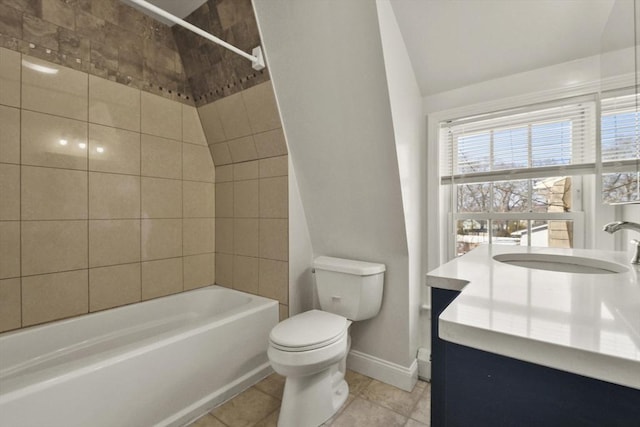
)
(539, 141)
(620, 133)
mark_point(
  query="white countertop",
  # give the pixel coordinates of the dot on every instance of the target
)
(588, 324)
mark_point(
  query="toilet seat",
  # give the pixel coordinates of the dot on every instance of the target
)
(308, 331)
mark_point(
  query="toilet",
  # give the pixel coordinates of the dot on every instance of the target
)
(310, 349)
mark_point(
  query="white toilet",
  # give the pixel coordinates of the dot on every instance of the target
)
(310, 349)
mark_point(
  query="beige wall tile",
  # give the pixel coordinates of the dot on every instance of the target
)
(274, 280)
(10, 304)
(220, 153)
(242, 149)
(54, 296)
(211, 123)
(10, 135)
(224, 173)
(198, 199)
(246, 170)
(261, 107)
(270, 143)
(212, 262)
(113, 196)
(161, 116)
(198, 235)
(53, 246)
(9, 192)
(161, 198)
(224, 200)
(114, 242)
(274, 197)
(224, 235)
(246, 199)
(114, 150)
(191, 127)
(233, 116)
(246, 237)
(224, 269)
(114, 286)
(196, 163)
(274, 166)
(53, 141)
(53, 193)
(161, 157)
(274, 239)
(9, 249)
(9, 77)
(114, 104)
(161, 238)
(198, 271)
(163, 277)
(64, 93)
(283, 311)
(246, 274)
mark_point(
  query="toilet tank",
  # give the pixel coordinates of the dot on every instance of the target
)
(350, 288)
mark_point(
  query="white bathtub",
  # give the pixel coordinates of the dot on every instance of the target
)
(161, 362)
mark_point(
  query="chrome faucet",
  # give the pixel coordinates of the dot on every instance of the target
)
(612, 227)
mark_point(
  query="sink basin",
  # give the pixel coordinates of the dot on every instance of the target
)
(562, 263)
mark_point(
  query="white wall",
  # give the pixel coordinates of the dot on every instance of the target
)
(567, 76)
(301, 285)
(326, 63)
(409, 125)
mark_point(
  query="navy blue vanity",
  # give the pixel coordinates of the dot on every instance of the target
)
(476, 388)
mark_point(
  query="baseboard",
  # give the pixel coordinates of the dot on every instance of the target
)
(424, 364)
(383, 370)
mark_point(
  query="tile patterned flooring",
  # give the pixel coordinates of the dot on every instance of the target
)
(371, 403)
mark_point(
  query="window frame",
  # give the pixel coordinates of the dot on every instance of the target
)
(594, 213)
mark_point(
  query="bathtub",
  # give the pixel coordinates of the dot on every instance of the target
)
(161, 362)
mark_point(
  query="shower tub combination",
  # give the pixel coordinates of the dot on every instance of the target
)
(161, 362)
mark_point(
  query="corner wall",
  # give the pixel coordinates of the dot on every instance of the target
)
(328, 71)
(409, 125)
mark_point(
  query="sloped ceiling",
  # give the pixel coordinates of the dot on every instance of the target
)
(455, 43)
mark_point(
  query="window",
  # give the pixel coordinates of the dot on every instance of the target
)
(511, 177)
(515, 177)
(620, 136)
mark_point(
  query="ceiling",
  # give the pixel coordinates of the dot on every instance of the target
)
(455, 43)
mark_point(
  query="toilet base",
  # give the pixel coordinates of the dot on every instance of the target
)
(309, 401)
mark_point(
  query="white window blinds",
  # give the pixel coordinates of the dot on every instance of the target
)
(620, 148)
(545, 140)
(620, 130)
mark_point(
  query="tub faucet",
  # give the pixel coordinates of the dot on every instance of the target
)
(612, 227)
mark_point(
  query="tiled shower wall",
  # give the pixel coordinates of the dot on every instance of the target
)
(242, 126)
(107, 194)
(248, 147)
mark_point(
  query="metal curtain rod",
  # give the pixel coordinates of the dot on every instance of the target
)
(257, 59)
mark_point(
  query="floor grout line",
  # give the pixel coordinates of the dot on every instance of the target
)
(360, 394)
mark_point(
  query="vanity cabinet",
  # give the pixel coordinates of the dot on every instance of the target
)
(471, 387)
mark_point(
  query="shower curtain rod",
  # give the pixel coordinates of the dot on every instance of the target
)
(257, 60)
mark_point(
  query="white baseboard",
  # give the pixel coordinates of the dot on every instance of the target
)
(424, 364)
(383, 370)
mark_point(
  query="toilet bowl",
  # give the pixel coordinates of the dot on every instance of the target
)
(313, 364)
(310, 349)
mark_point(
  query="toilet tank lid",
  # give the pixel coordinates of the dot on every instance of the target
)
(349, 266)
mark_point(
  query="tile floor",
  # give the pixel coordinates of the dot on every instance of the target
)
(371, 403)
